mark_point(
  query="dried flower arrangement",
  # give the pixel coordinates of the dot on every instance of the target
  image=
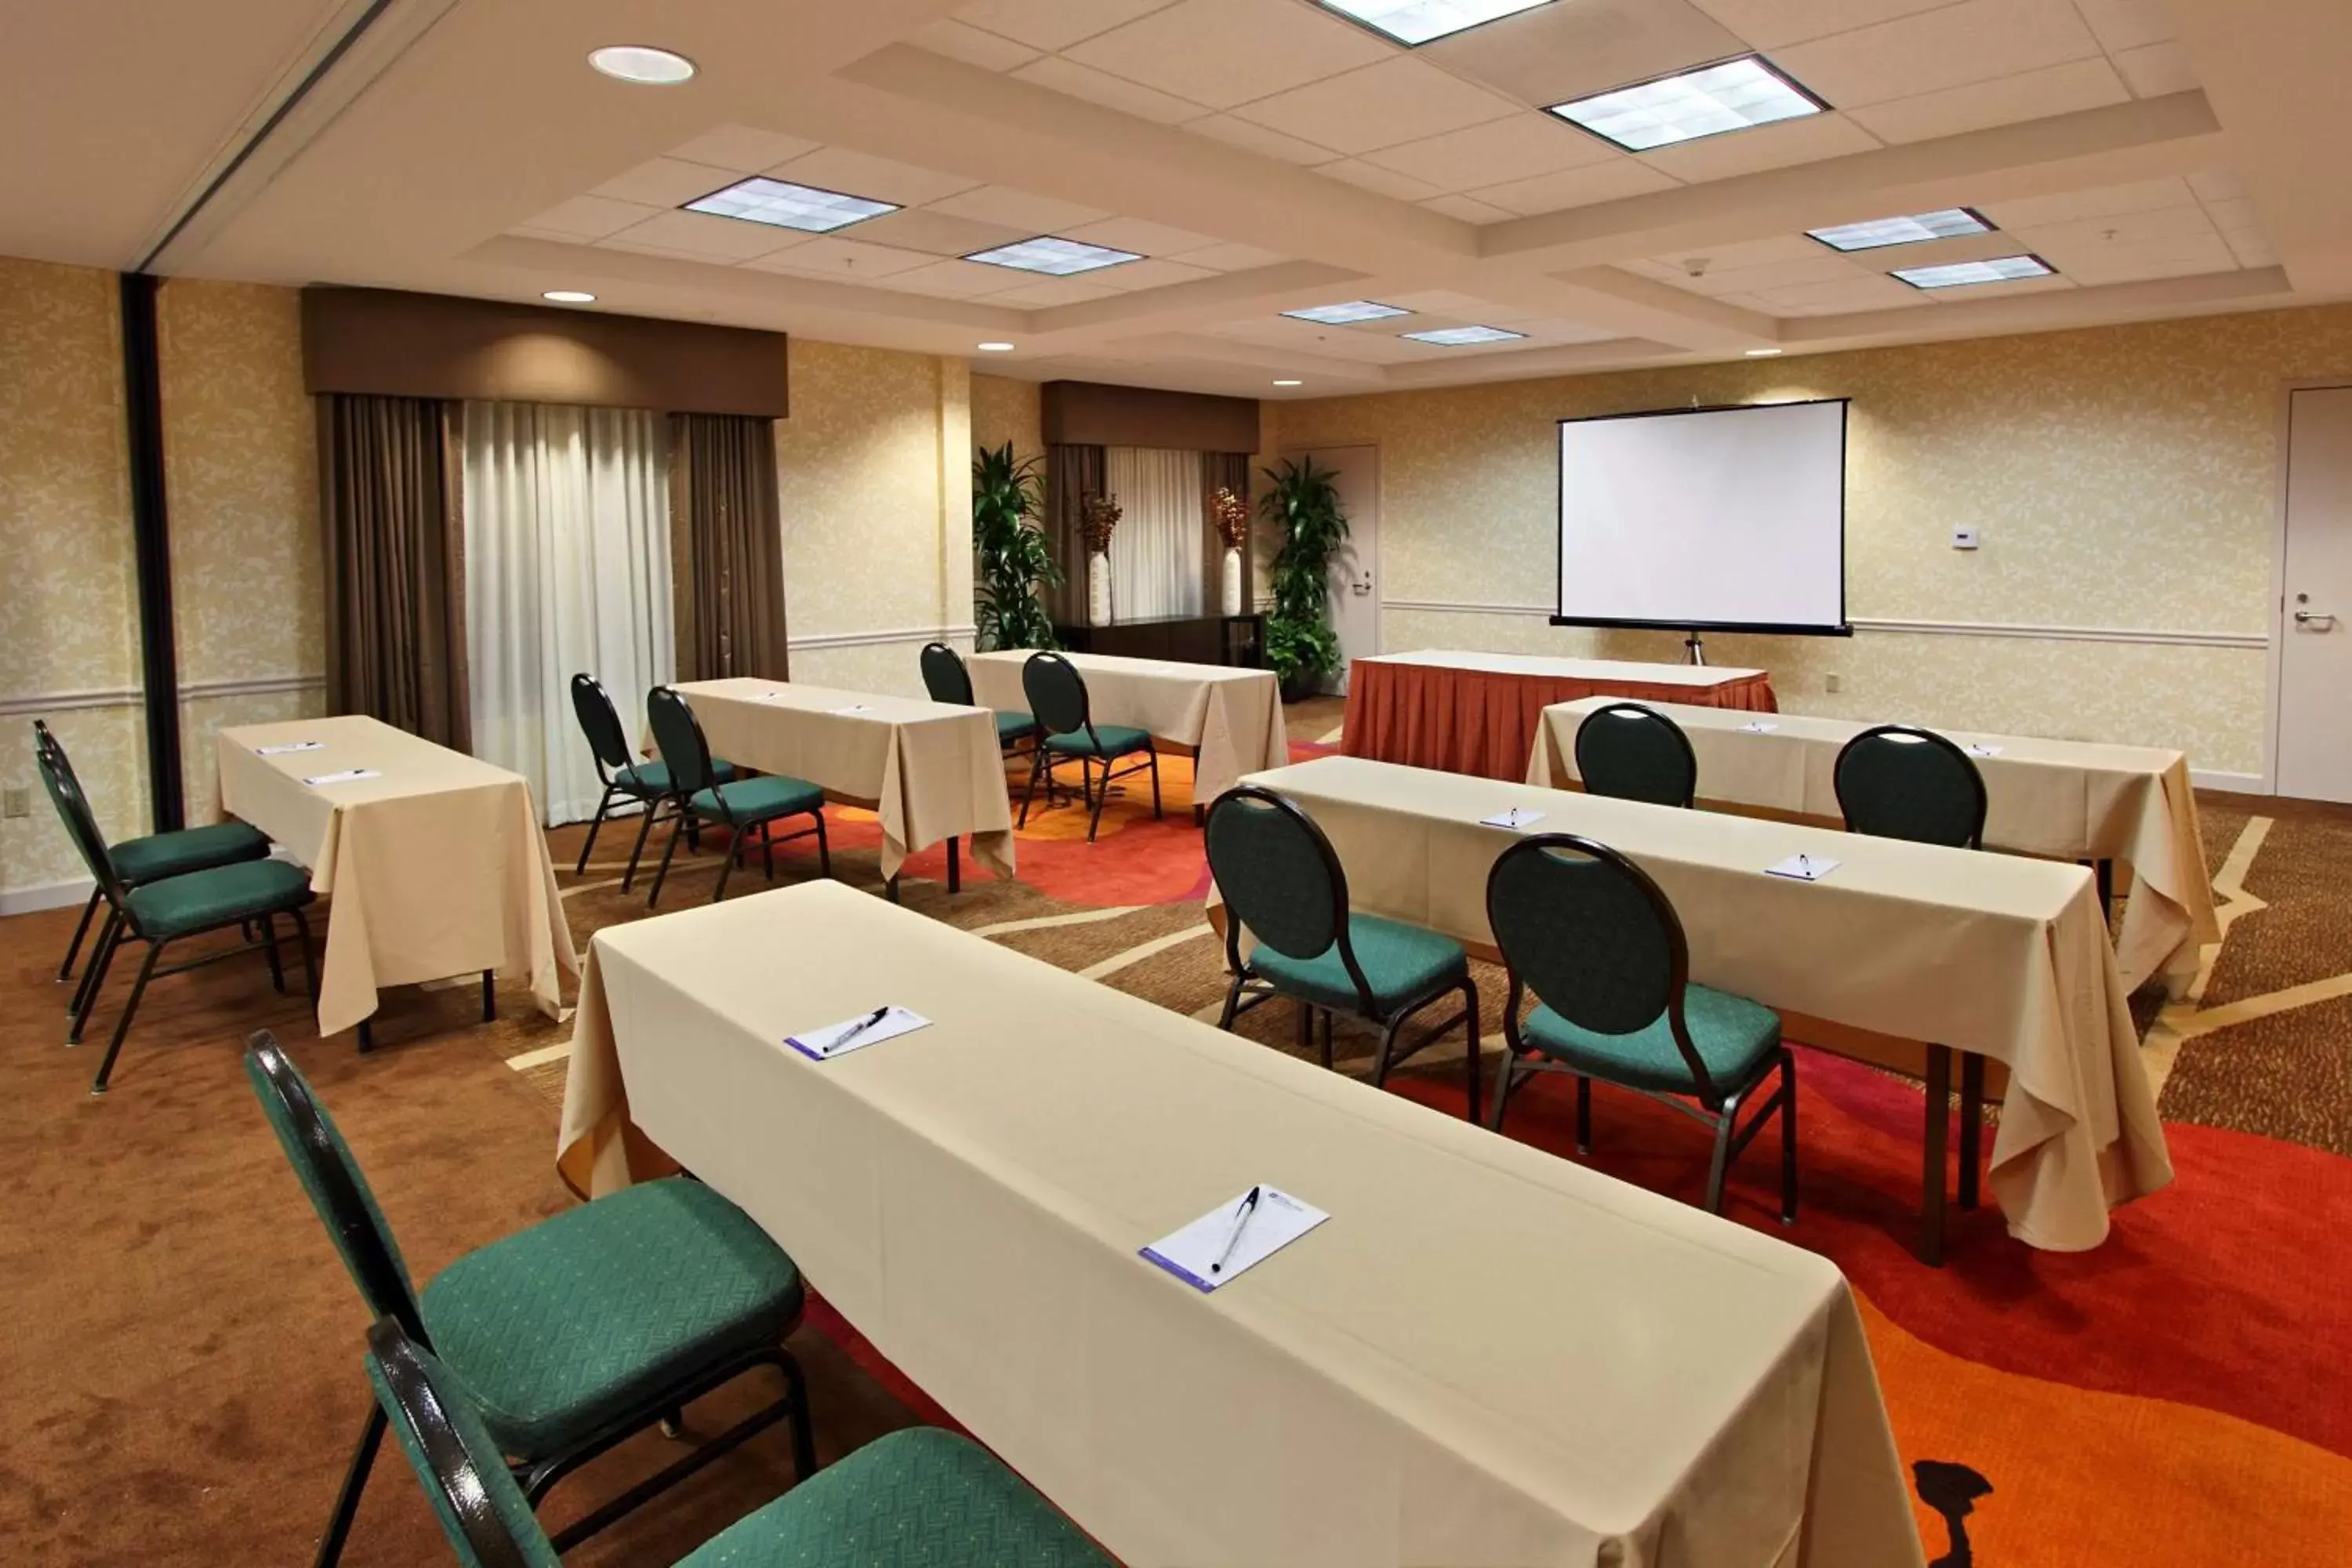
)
(1231, 516)
(1098, 515)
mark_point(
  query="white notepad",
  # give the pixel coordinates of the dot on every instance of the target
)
(1978, 749)
(1196, 1253)
(855, 1034)
(1758, 727)
(285, 746)
(1803, 867)
(346, 776)
(1518, 817)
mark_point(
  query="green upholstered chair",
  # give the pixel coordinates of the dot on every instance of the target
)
(1895, 780)
(1058, 695)
(1633, 753)
(1280, 878)
(152, 857)
(159, 913)
(698, 796)
(569, 1336)
(1594, 939)
(946, 680)
(626, 777)
(918, 1497)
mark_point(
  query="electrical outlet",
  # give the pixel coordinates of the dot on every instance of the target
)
(1832, 682)
(15, 801)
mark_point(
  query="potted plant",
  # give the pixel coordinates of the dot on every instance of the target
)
(1015, 558)
(1299, 643)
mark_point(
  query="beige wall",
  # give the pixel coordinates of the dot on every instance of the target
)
(1006, 410)
(2121, 477)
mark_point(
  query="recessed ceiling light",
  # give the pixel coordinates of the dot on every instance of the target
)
(1346, 314)
(1461, 337)
(1289, 384)
(568, 297)
(1418, 21)
(782, 205)
(1912, 230)
(1055, 258)
(1958, 274)
(635, 62)
(995, 348)
(1732, 96)
(1762, 353)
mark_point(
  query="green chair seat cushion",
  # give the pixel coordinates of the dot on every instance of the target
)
(650, 781)
(1401, 962)
(584, 1317)
(918, 1497)
(162, 855)
(1117, 740)
(1733, 1034)
(1013, 725)
(761, 799)
(201, 900)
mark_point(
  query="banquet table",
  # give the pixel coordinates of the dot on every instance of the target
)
(1484, 1355)
(1479, 712)
(2068, 800)
(1230, 719)
(436, 863)
(931, 771)
(1995, 955)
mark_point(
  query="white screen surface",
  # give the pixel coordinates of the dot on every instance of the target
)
(1711, 517)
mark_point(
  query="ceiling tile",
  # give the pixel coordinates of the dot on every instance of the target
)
(1018, 209)
(1805, 141)
(1862, 291)
(1259, 140)
(972, 46)
(743, 149)
(1144, 238)
(1068, 77)
(936, 233)
(1050, 291)
(1826, 267)
(1150, 273)
(703, 235)
(953, 280)
(2158, 69)
(2102, 201)
(666, 182)
(1748, 253)
(1228, 52)
(2130, 261)
(1621, 176)
(1385, 182)
(1469, 209)
(2251, 247)
(2231, 211)
(843, 260)
(1224, 257)
(2086, 234)
(1975, 41)
(2121, 24)
(1517, 148)
(2030, 95)
(1558, 52)
(878, 179)
(1398, 99)
(1771, 24)
(2215, 186)
(589, 217)
(1054, 24)
(1431, 301)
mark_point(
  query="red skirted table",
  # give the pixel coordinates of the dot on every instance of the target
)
(1479, 712)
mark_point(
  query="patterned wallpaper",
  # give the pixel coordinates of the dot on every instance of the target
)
(1006, 410)
(2121, 477)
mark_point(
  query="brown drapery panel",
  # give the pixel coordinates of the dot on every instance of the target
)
(726, 547)
(1072, 474)
(388, 508)
(1230, 471)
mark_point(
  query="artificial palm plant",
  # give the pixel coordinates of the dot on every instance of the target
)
(1015, 558)
(1304, 502)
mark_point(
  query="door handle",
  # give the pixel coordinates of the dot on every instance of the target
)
(2325, 622)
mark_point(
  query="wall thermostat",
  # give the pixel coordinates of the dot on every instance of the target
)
(1964, 539)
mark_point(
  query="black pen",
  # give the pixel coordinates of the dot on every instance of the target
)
(854, 1030)
(1241, 1218)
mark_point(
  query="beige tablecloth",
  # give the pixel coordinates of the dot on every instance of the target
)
(1231, 717)
(2071, 800)
(931, 771)
(438, 868)
(1487, 1356)
(1993, 954)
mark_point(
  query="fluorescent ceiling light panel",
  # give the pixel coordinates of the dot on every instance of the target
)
(1733, 96)
(1418, 21)
(1347, 313)
(782, 205)
(1958, 274)
(1913, 230)
(1461, 337)
(1055, 258)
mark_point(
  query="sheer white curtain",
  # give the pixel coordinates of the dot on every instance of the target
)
(567, 569)
(1156, 561)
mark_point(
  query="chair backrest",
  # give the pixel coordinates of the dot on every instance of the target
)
(1899, 782)
(1634, 753)
(1593, 937)
(601, 722)
(679, 735)
(482, 1511)
(1280, 877)
(81, 822)
(1056, 693)
(333, 1180)
(944, 676)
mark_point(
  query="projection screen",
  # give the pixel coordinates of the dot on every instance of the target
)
(1706, 519)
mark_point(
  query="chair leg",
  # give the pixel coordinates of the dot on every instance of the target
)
(108, 929)
(269, 941)
(1232, 1003)
(629, 877)
(824, 849)
(1155, 783)
(661, 872)
(1102, 796)
(1306, 1017)
(1720, 1163)
(490, 996)
(727, 867)
(1328, 1026)
(73, 949)
(1387, 1043)
(94, 980)
(1504, 1082)
(347, 1500)
(768, 851)
(1036, 766)
(1474, 1069)
(130, 1010)
(1584, 1115)
(310, 966)
(1788, 1138)
(802, 1419)
(1931, 1174)
(955, 868)
(594, 823)
(1972, 1076)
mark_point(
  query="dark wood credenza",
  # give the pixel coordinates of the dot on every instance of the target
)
(1189, 639)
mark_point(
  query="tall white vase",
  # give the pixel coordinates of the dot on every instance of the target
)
(1233, 581)
(1097, 590)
